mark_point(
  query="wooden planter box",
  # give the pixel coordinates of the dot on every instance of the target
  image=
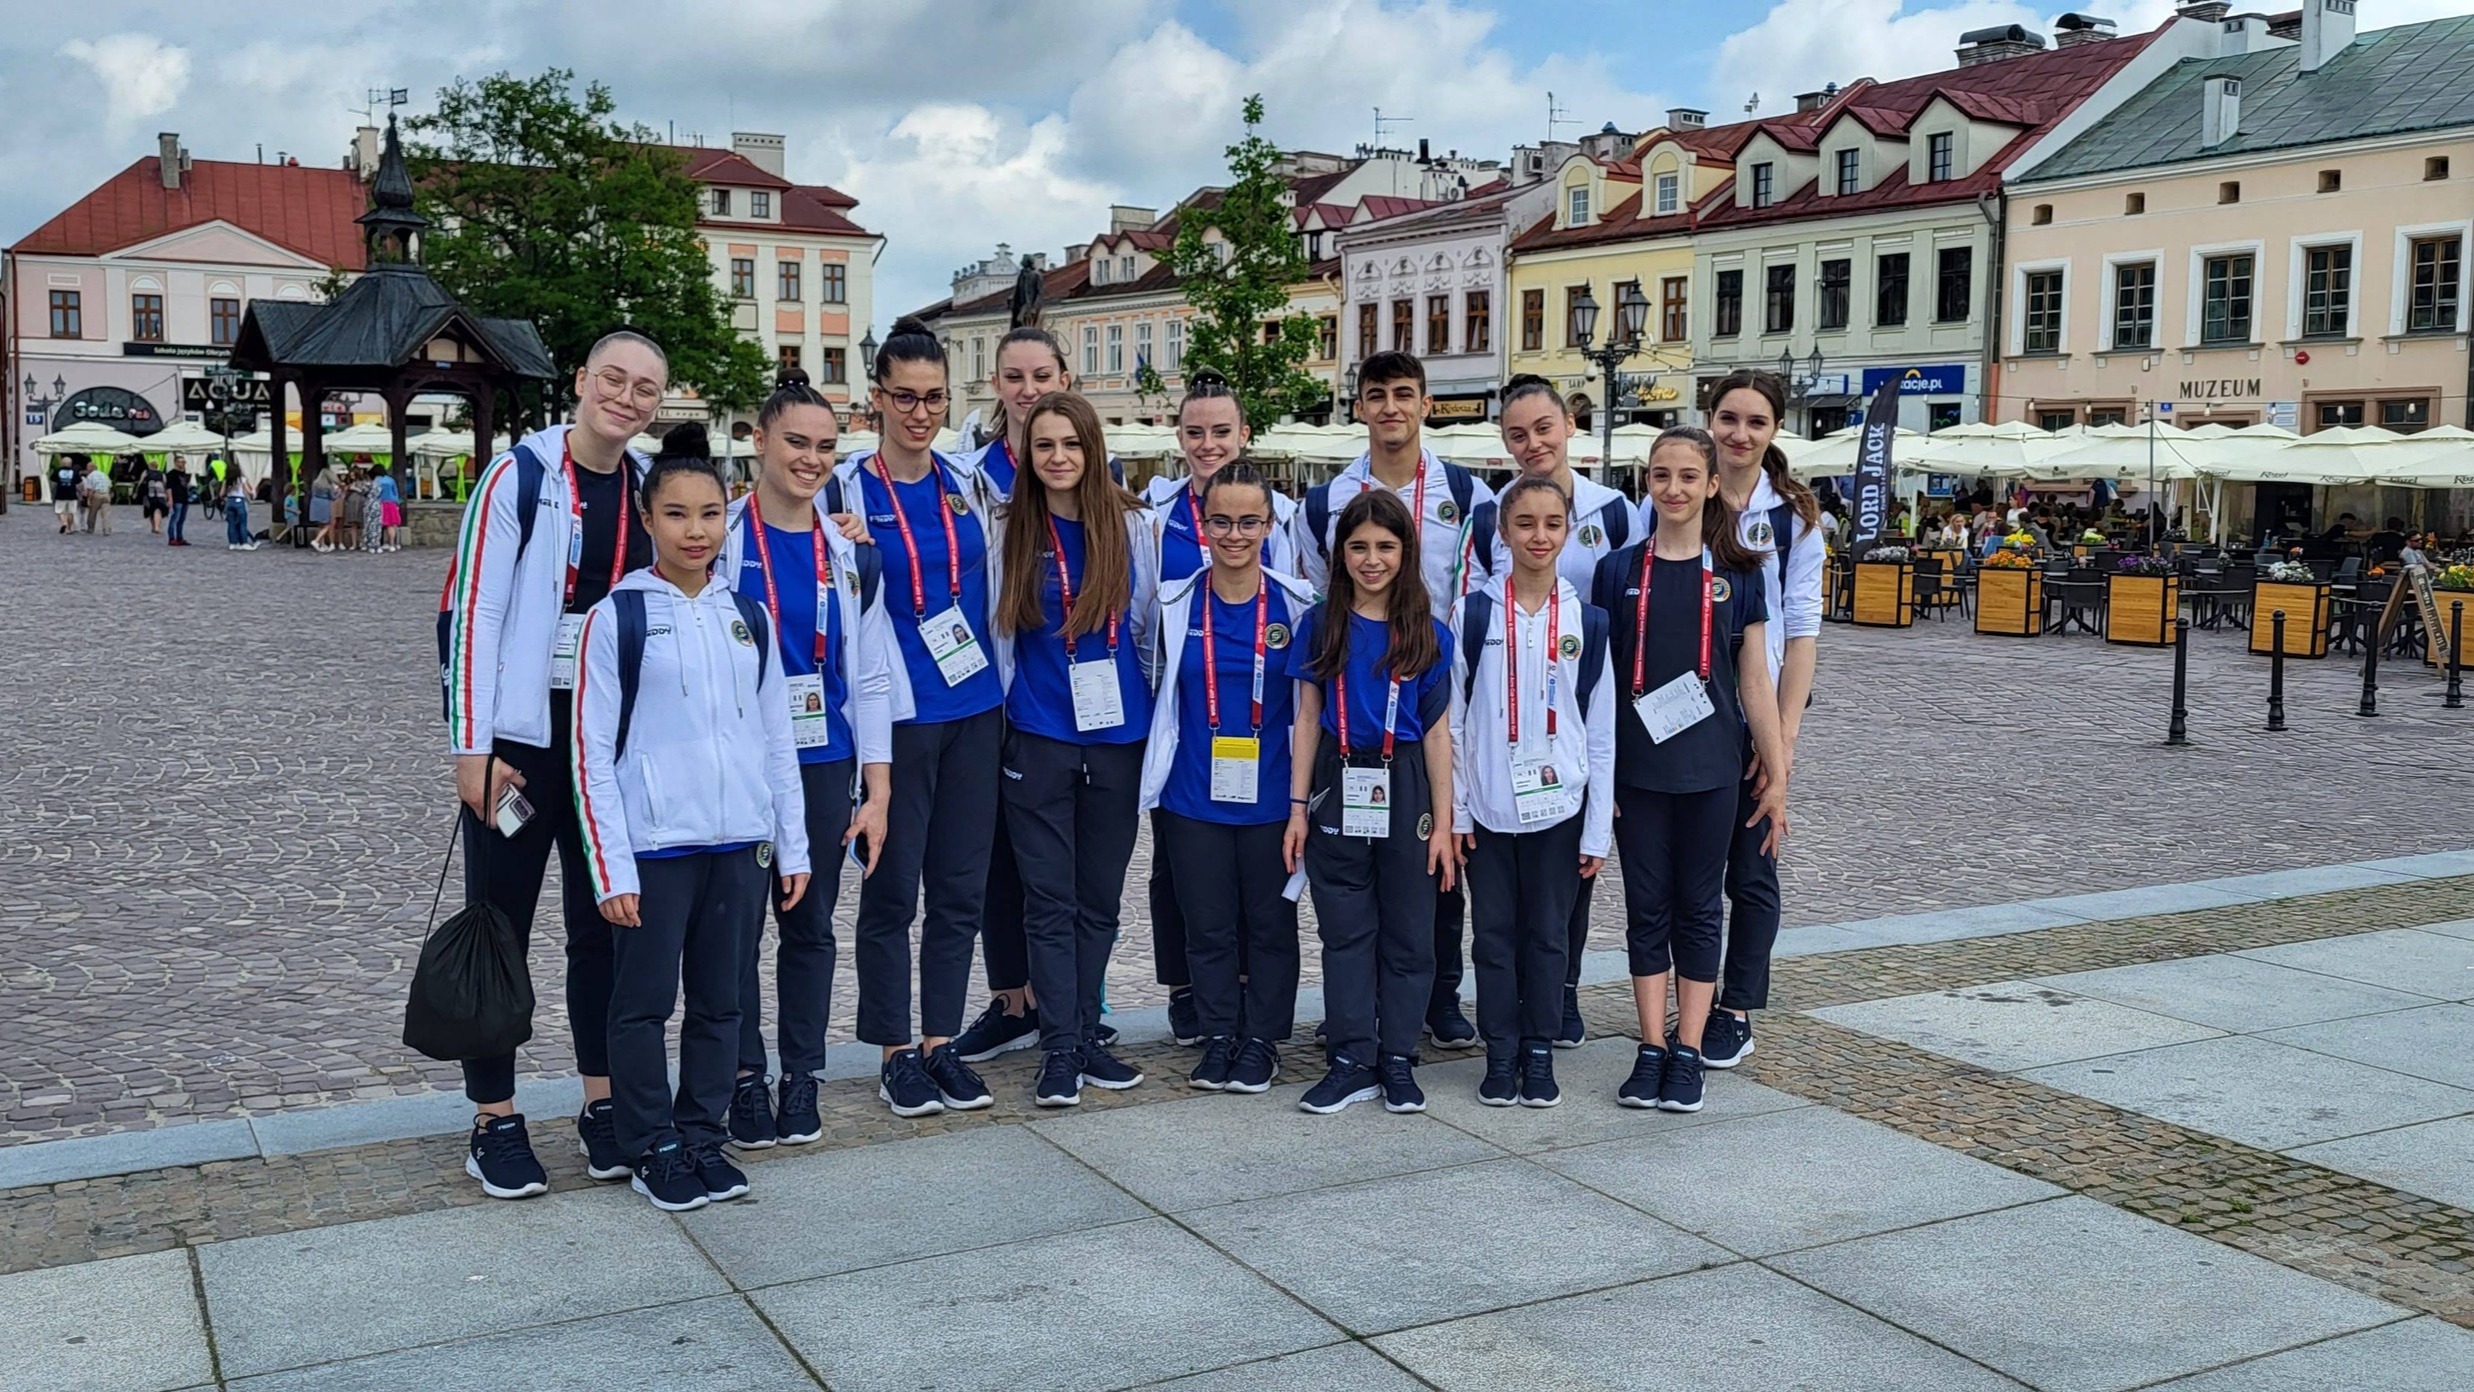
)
(2306, 618)
(2140, 609)
(2009, 602)
(1885, 594)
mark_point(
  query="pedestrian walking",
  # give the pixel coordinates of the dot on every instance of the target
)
(65, 501)
(176, 491)
(154, 498)
(236, 533)
(322, 510)
(98, 486)
(385, 512)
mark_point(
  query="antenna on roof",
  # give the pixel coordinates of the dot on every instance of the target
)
(1556, 116)
(1754, 104)
(388, 98)
(1381, 121)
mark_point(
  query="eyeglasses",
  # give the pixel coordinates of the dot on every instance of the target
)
(616, 385)
(906, 402)
(1219, 526)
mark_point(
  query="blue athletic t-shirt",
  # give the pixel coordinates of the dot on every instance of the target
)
(1042, 699)
(997, 465)
(1424, 699)
(921, 502)
(794, 589)
(1188, 790)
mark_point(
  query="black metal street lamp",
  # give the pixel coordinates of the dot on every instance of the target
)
(867, 354)
(1632, 316)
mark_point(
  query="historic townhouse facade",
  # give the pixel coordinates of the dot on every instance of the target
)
(1434, 283)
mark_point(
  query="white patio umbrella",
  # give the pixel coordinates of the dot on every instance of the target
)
(1835, 454)
(445, 442)
(87, 437)
(181, 437)
(2002, 448)
(358, 439)
(2441, 457)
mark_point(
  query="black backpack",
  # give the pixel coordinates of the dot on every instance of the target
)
(629, 606)
(1460, 481)
(1477, 619)
(1615, 517)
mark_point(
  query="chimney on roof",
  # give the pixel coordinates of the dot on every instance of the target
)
(2220, 111)
(2244, 33)
(1124, 217)
(1686, 118)
(2075, 28)
(1811, 101)
(1999, 42)
(364, 160)
(2327, 29)
(2205, 11)
(762, 151)
(170, 159)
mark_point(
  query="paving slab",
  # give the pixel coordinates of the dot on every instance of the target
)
(125, 1152)
(2015, 1290)
(817, 1215)
(2434, 1159)
(2431, 866)
(2455, 928)
(2231, 992)
(2435, 1042)
(402, 1118)
(1945, 925)
(2422, 1355)
(1773, 1183)
(2270, 1095)
(715, 1345)
(2401, 959)
(1439, 1244)
(2309, 879)
(2151, 899)
(1224, 1149)
(129, 1324)
(1588, 1077)
(323, 1294)
(1735, 1329)
(1120, 1305)
(1337, 1368)
(2011, 1025)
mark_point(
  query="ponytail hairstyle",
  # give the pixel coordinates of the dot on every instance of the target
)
(790, 389)
(994, 424)
(1527, 483)
(1206, 385)
(1107, 584)
(1774, 461)
(684, 450)
(1407, 611)
(1528, 384)
(1718, 528)
(910, 341)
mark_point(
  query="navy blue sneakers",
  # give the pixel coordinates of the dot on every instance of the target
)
(1537, 1075)
(722, 1180)
(1449, 1028)
(667, 1175)
(996, 1032)
(1680, 1089)
(1502, 1085)
(1400, 1090)
(1258, 1062)
(1648, 1073)
(797, 1123)
(751, 1113)
(1185, 1022)
(597, 1141)
(1726, 1040)
(501, 1157)
(1574, 1031)
(904, 1085)
(1348, 1083)
(1102, 1069)
(956, 1085)
(1060, 1079)
(1211, 1071)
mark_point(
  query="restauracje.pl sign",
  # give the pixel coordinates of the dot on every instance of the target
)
(2222, 389)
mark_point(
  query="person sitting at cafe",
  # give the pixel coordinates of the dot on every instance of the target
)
(2339, 530)
(2388, 543)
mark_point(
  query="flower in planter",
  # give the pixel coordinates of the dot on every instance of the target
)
(2024, 541)
(2009, 558)
(2289, 573)
(1888, 555)
(2459, 577)
(2155, 566)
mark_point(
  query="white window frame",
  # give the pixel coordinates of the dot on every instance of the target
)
(2018, 298)
(2401, 276)
(2105, 295)
(760, 203)
(1090, 350)
(2297, 262)
(1669, 192)
(2195, 267)
(1172, 357)
(1763, 175)
(1116, 349)
(1839, 155)
(1576, 206)
(1142, 344)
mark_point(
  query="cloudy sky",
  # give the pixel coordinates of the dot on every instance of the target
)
(956, 123)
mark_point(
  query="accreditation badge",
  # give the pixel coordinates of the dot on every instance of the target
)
(1366, 802)
(1236, 768)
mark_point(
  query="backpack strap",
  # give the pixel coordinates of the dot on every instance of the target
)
(1593, 652)
(1782, 540)
(1615, 519)
(1318, 519)
(752, 610)
(1477, 619)
(833, 494)
(1482, 536)
(529, 469)
(1462, 483)
(870, 561)
(629, 606)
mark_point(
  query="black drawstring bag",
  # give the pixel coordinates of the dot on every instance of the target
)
(472, 993)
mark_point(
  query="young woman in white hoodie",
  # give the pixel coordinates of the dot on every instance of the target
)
(688, 792)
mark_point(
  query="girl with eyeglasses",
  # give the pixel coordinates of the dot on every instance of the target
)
(1216, 780)
(926, 515)
(1077, 588)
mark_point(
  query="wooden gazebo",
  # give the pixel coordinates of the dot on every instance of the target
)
(393, 332)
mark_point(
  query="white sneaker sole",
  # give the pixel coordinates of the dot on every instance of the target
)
(473, 1167)
(688, 1207)
(1403, 1108)
(1022, 1041)
(1089, 1081)
(1364, 1094)
(1554, 1101)
(1724, 1064)
(1052, 1100)
(906, 1113)
(966, 1104)
(1666, 1106)
(726, 1195)
(736, 1144)
(1442, 1043)
(1512, 1101)
(593, 1171)
(805, 1137)
(1638, 1104)
(1205, 1084)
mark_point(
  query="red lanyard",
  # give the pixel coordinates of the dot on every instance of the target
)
(1211, 666)
(575, 517)
(910, 544)
(1511, 656)
(1065, 598)
(1391, 709)
(773, 602)
(1640, 632)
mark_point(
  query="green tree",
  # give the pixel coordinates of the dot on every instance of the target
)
(544, 207)
(1239, 283)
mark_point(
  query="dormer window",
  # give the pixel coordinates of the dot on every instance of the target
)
(1764, 184)
(760, 204)
(721, 202)
(1125, 269)
(1670, 194)
(1577, 209)
(1938, 150)
(1849, 181)
(1099, 270)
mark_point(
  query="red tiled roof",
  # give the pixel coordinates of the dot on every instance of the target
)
(1384, 205)
(709, 165)
(1623, 223)
(816, 208)
(302, 209)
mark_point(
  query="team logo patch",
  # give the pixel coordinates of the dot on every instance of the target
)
(764, 854)
(1448, 510)
(1276, 635)
(1425, 825)
(850, 581)
(738, 630)
(958, 503)
(1761, 534)
(1719, 589)
(1590, 534)
(1570, 646)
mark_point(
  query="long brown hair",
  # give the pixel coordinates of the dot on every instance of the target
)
(1718, 526)
(1406, 609)
(1774, 460)
(1107, 584)
(993, 425)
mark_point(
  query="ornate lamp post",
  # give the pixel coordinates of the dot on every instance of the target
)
(1799, 379)
(1632, 310)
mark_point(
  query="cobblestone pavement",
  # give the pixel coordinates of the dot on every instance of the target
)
(226, 796)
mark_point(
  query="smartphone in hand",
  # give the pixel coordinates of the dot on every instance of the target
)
(512, 812)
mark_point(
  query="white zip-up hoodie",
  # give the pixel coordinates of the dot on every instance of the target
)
(1584, 742)
(868, 656)
(1166, 495)
(709, 757)
(901, 705)
(1176, 616)
(503, 610)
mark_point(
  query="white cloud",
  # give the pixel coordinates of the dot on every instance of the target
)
(1803, 45)
(142, 76)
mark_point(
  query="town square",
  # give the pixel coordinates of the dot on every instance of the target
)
(1717, 701)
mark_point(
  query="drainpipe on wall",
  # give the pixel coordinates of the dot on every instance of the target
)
(1992, 207)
